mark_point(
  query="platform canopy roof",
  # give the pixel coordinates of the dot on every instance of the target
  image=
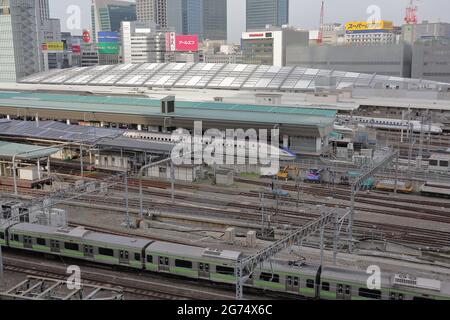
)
(220, 76)
(54, 130)
(24, 151)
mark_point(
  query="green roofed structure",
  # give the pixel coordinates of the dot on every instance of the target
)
(301, 129)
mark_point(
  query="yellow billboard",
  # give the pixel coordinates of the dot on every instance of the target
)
(375, 25)
(53, 46)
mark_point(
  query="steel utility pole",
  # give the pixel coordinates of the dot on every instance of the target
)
(356, 185)
(245, 267)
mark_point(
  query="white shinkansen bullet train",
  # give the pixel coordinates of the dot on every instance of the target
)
(284, 153)
(394, 124)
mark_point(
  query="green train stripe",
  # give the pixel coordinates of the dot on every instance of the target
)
(106, 258)
(270, 285)
(184, 271)
(41, 248)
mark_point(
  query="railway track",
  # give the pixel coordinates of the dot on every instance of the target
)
(132, 283)
(250, 212)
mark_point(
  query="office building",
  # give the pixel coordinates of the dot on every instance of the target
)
(44, 10)
(106, 15)
(206, 18)
(431, 60)
(364, 33)
(19, 39)
(273, 45)
(50, 33)
(425, 30)
(152, 11)
(143, 42)
(261, 13)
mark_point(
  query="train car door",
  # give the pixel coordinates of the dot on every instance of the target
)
(88, 251)
(124, 257)
(339, 292)
(292, 284)
(347, 292)
(203, 270)
(54, 246)
(27, 242)
(163, 263)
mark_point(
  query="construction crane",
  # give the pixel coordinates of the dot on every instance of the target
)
(411, 13)
(320, 36)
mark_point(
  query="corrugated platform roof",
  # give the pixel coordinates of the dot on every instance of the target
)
(24, 151)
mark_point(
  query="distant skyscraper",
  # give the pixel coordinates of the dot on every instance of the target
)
(19, 41)
(215, 19)
(152, 11)
(267, 12)
(44, 10)
(106, 15)
(207, 18)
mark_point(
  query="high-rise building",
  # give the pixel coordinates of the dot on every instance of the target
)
(143, 42)
(206, 18)
(106, 15)
(19, 40)
(152, 11)
(272, 46)
(44, 10)
(261, 13)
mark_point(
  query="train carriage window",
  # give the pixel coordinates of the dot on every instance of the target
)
(433, 163)
(183, 264)
(225, 270)
(444, 164)
(296, 281)
(106, 252)
(15, 237)
(289, 280)
(367, 293)
(71, 246)
(325, 286)
(41, 241)
(269, 277)
(149, 259)
(340, 288)
(310, 283)
(166, 261)
(2, 235)
(137, 256)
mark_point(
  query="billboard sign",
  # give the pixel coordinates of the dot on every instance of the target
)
(76, 48)
(257, 35)
(108, 48)
(170, 41)
(86, 36)
(52, 47)
(186, 43)
(108, 37)
(365, 26)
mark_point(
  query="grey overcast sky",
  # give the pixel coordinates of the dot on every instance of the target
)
(303, 13)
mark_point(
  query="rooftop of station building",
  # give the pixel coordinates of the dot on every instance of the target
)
(250, 113)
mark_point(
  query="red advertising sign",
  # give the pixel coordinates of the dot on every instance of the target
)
(186, 43)
(256, 35)
(76, 48)
(86, 36)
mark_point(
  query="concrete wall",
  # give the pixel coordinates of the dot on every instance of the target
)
(392, 60)
(431, 62)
